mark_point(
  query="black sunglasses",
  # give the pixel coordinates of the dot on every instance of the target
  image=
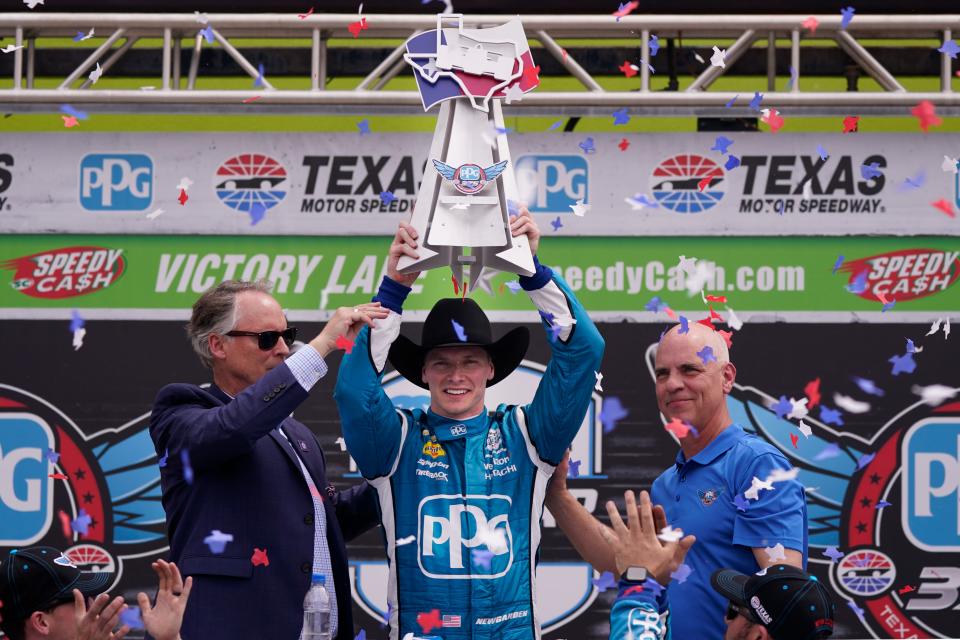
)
(734, 610)
(267, 340)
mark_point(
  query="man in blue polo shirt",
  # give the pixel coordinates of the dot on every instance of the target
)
(730, 489)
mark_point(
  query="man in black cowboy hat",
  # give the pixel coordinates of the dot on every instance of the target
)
(468, 486)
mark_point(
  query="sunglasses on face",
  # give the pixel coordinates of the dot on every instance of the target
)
(734, 610)
(267, 340)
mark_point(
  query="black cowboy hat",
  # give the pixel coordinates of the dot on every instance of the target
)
(439, 331)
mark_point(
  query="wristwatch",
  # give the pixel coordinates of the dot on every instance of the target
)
(635, 574)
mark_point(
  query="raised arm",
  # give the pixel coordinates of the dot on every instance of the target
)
(183, 418)
(563, 395)
(372, 427)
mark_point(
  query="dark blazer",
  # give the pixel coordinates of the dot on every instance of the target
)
(247, 483)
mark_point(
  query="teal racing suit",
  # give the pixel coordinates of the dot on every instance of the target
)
(461, 500)
(640, 612)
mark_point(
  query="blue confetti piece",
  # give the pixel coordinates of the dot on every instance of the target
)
(838, 263)
(387, 197)
(76, 321)
(573, 468)
(620, 116)
(131, 617)
(612, 412)
(207, 34)
(76, 113)
(755, 102)
(257, 213)
(847, 16)
(732, 100)
(587, 146)
(822, 152)
(732, 162)
(721, 144)
(684, 326)
(654, 45)
(556, 125)
(364, 126)
(458, 329)
(187, 469)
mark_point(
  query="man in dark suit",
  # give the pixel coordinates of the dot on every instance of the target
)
(250, 514)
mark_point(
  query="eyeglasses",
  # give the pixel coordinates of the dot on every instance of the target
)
(267, 340)
(734, 610)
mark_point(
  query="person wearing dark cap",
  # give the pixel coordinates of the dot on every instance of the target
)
(780, 602)
(44, 595)
(468, 486)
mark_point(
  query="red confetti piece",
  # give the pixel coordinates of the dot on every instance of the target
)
(926, 115)
(793, 439)
(69, 121)
(851, 124)
(356, 27)
(531, 75)
(946, 207)
(344, 343)
(703, 184)
(629, 70)
(812, 391)
(773, 119)
(260, 558)
(58, 476)
(707, 322)
(810, 23)
(722, 299)
(65, 524)
(304, 16)
(183, 197)
(249, 100)
(906, 589)
(429, 621)
(727, 337)
(677, 427)
(624, 144)
(456, 287)
(627, 9)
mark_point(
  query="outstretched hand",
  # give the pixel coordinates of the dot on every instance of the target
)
(98, 621)
(639, 545)
(163, 619)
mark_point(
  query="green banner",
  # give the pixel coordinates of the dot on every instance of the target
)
(778, 274)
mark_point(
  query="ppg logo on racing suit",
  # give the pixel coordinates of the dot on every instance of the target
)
(451, 526)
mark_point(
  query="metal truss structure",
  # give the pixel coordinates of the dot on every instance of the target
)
(173, 94)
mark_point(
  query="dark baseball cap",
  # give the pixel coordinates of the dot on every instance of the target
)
(39, 578)
(789, 602)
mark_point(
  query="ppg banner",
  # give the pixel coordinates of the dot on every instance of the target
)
(747, 184)
(881, 485)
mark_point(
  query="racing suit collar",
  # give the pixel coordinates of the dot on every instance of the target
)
(450, 429)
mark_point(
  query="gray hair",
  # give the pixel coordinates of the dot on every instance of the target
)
(215, 313)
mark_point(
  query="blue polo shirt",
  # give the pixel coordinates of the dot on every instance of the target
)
(698, 494)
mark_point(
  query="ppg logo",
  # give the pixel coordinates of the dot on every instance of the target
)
(116, 182)
(931, 483)
(551, 184)
(25, 488)
(453, 526)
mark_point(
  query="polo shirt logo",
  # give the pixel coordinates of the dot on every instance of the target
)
(709, 496)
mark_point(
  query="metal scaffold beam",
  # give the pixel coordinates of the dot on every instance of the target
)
(312, 36)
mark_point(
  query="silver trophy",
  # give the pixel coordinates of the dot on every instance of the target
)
(469, 189)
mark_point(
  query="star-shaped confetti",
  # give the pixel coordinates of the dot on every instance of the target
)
(870, 171)
(706, 355)
(629, 69)
(346, 343)
(794, 439)
(217, 541)
(868, 386)
(907, 589)
(756, 485)
(864, 460)
(670, 534)
(812, 391)
(364, 126)
(259, 558)
(805, 429)
(756, 100)
(926, 114)
(612, 412)
(356, 27)
(481, 558)
(655, 304)
(587, 146)
(850, 405)
(772, 118)
(620, 116)
(782, 407)
(556, 223)
(729, 104)
(832, 553)
(678, 427)
(207, 33)
(851, 124)
(776, 552)
(902, 364)
(684, 325)
(580, 209)
(573, 468)
(798, 409)
(950, 48)
(846, 16)
(626, 8)
(681, 573)
(732, 162)
(914, 182)
(429, 620)
(605, 581)
(69, 121)
(640, 200)
(721, 144)
(830, 416)
(81, 524)
(811, 24)
(623, 144)
(32, 4)
(131, 618)
(654, 44)
(718, 59)
(741, 503)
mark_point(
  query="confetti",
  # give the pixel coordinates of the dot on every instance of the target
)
(832, 553)
(741, 503)
(684, 325)
(620, 116)
(830, 416)
(849, 404)
(258, 81)
(344, 343)
(356, 27)
(654, 43)
(718, 59)
(868, 386)
(679, 428)
(403, 541)
(599, 377)
(945, 206)
(605, 581)
(10, 48)
(669, 534)
(732, 162)
(846, 17)
(386, 197)
(812, 391)
(732, 100)
(640, 200)
(798, 409)
(776, 552)
(794, 438)
(458, 329)
(217, 541)
(207, 34)
(681, 573)
(782, 407)
(655, 304)
(32, 4)
(810, 23)
(587, 146)
(626, 8)
(756, 484)
(772, 118)
(733, 320)
(934, 394)
(950, 48)
(58, 476)
(131, 617)
(851, 124)
(187, 469)
(721, 144)
(949, 164)
(183, 197)
(915, 182)
(611, 412)
(69, 122)
(805, 429)
(882, 504)
(870, 171)
(902, 364)
(481, 558)
(624, 144)
(580, 209)
(926, 114)
(557, 224)
(556, 125)
(304, 16)
(907, 589)
(864, 460)
(857, 610)
(259, 558)
(755, 102)
(573, 468)
(429, 620)
(830, 451)
(629, 69)
(706, 355)
(81, 36)
(81, 524)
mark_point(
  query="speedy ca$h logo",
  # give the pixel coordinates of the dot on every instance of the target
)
(66, 272)
(53, 478)
(904, 275)
(452, 526)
